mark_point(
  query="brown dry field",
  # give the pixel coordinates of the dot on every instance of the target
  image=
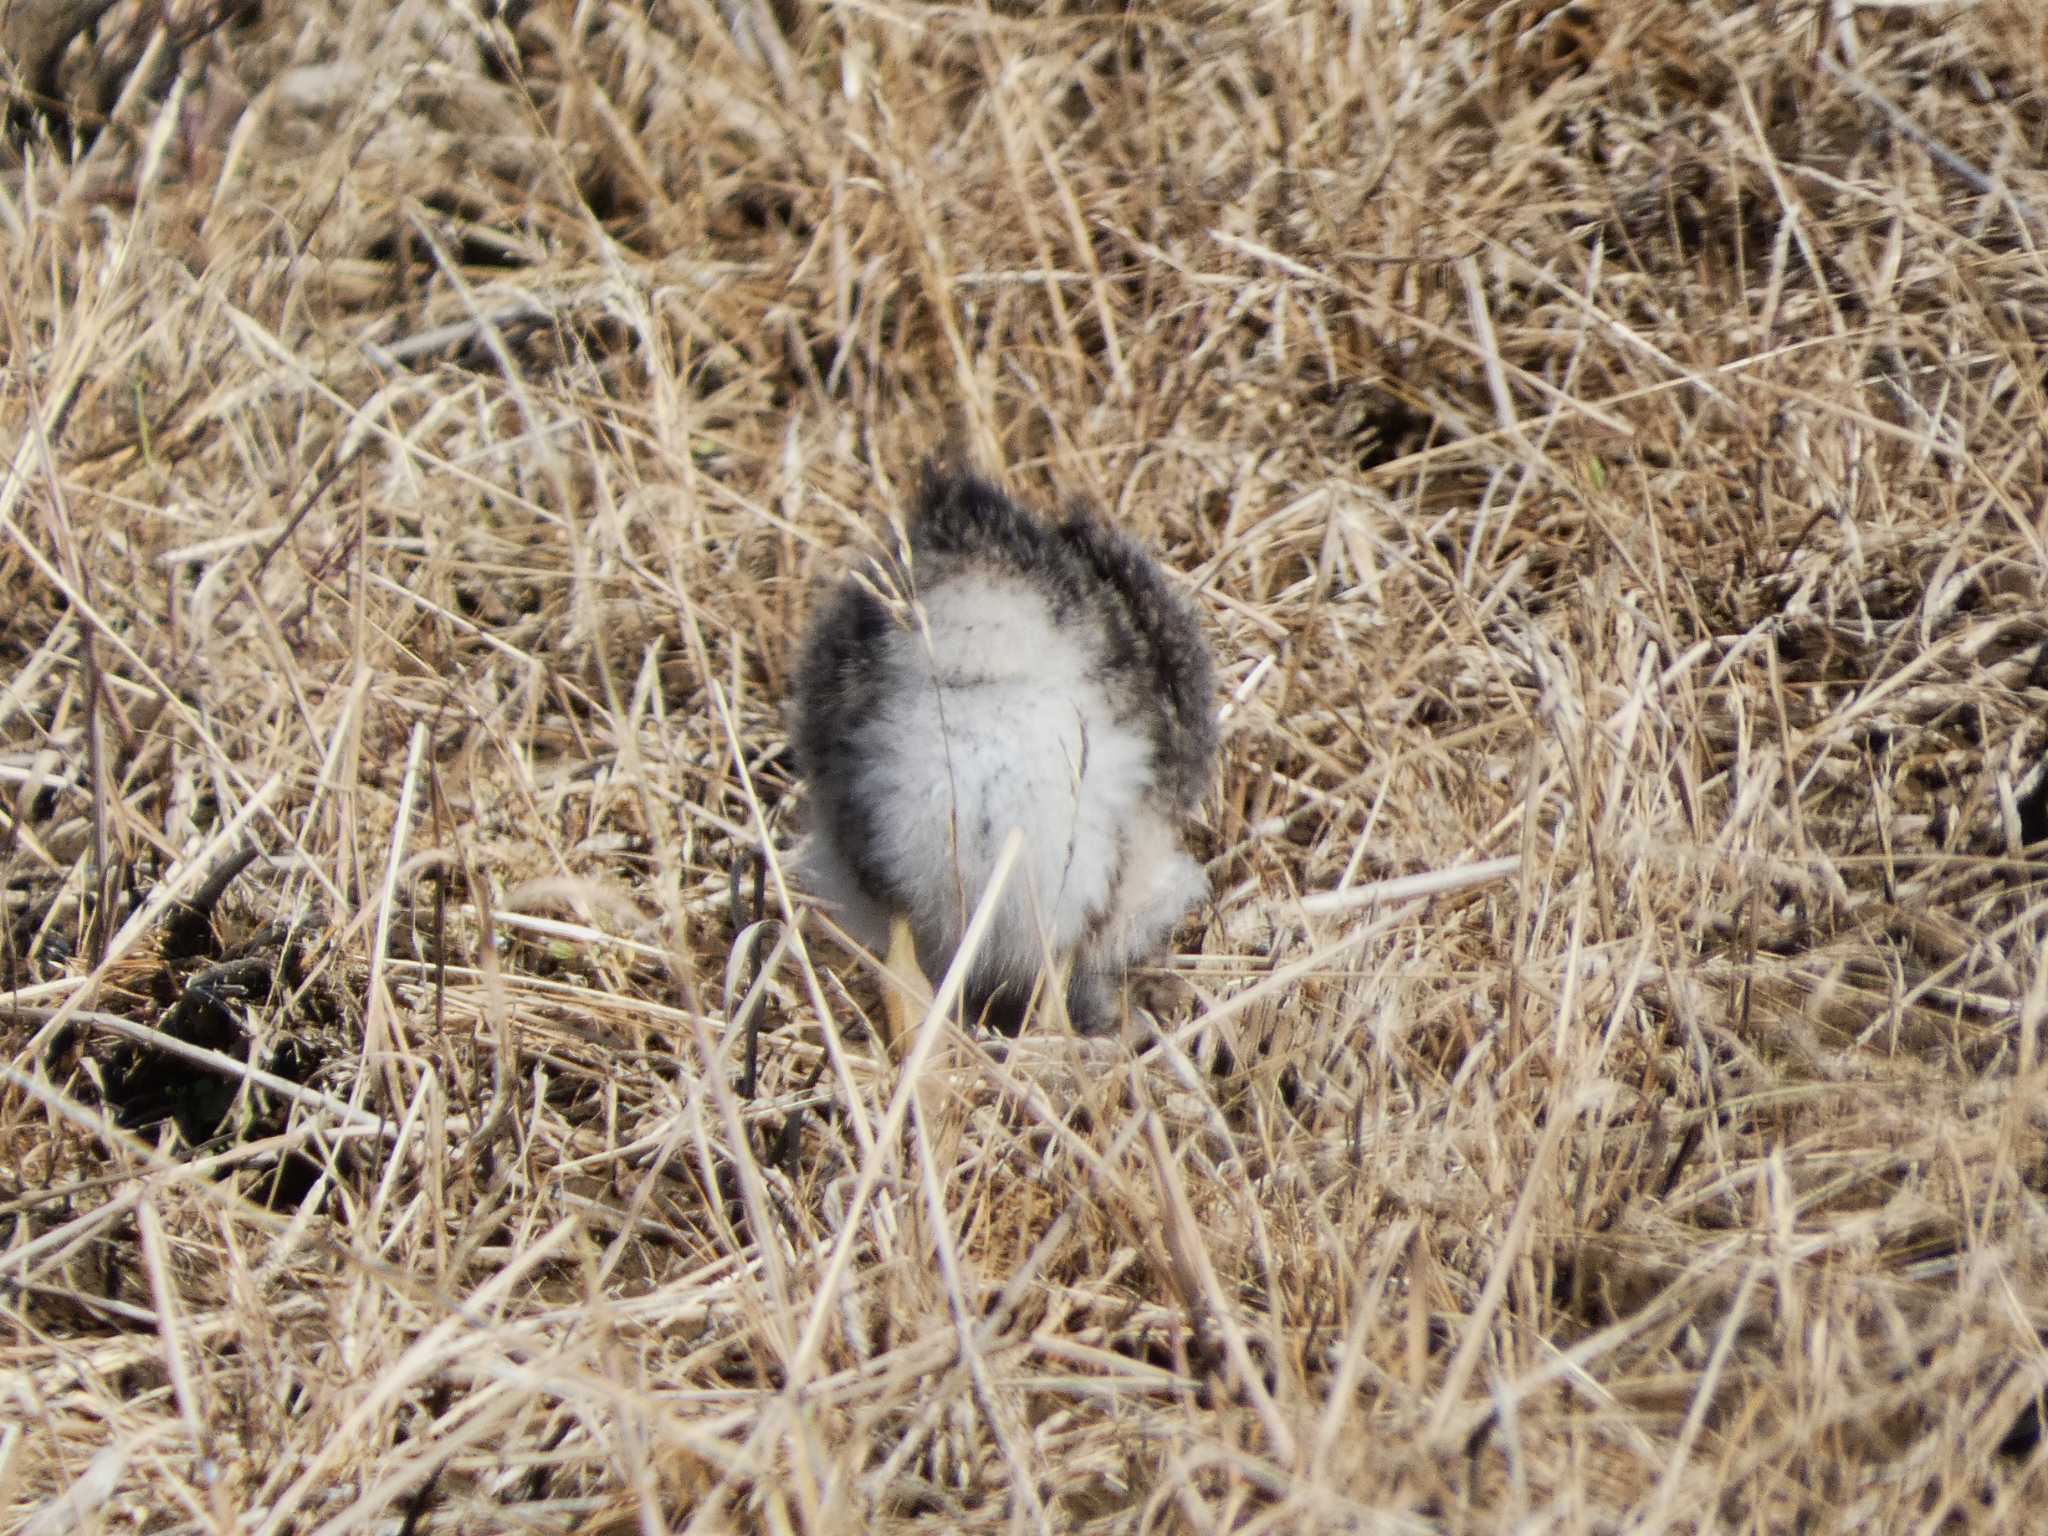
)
(1610, 436)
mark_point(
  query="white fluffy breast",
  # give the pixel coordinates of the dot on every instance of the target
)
(993, 721)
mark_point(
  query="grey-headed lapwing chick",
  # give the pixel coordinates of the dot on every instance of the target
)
(1042, 677)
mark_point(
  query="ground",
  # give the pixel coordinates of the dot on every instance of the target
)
(1606, 436)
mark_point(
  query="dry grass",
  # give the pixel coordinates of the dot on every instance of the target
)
(1608, 434)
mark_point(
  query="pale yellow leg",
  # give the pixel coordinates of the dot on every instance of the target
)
(905, 992)
(1062, 972)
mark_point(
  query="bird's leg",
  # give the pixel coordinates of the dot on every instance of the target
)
(1059, 984)
(905, 992)
(1091, 1003)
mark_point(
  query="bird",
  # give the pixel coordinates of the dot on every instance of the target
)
(1003, 672)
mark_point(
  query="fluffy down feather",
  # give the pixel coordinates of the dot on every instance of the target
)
(1049, 680)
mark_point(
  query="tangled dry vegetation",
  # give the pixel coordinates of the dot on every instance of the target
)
(1609, 435)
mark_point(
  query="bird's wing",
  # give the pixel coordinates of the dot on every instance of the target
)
(1158, 644)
